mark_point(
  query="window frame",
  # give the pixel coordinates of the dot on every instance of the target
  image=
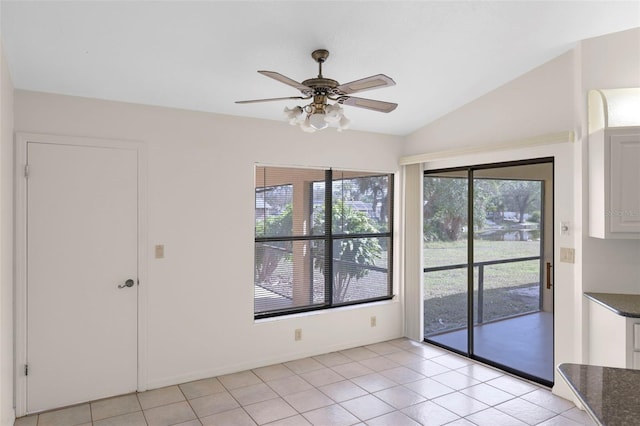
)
(329, 238)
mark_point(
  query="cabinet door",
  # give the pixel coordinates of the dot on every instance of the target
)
(624, 209)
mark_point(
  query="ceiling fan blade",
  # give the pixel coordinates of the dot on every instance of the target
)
(368, 104)
(286, 80)
(253, 101)
(367, 83)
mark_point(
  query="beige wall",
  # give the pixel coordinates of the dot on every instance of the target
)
(537, 103)
(201, 207)
(6, 244)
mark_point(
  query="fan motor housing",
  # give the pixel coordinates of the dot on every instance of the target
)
(321, 83)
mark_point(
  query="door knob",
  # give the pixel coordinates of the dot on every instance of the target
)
(127, 283)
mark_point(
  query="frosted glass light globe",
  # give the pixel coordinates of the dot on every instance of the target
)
(306, 127)
(293, 115)
(316, 120)
(333, 113)
(344, 123)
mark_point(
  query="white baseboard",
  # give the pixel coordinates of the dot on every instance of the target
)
(228, 369)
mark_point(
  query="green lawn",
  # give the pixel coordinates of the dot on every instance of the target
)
(440, 253)
(509, 289)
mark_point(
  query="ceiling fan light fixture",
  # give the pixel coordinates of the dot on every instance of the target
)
(317, 120)
(343, 124)
(306, 127)
(333, 113)
(294, 115)
(315, 117)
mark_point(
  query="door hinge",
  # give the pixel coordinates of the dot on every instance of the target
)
(26, 369)
(26, 171)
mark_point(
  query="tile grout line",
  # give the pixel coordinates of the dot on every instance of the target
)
(363, 356)
(236, 400)
(188, 403)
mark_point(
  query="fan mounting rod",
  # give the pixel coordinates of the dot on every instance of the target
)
(320, 85)
(320, 56)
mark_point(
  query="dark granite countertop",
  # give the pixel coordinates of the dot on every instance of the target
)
(626, 305)
(610, 395)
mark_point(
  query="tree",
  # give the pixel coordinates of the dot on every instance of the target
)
(268, 256)
(375, 188)
(275, 197)
(351, 256)
(521, 195)
(445, 208)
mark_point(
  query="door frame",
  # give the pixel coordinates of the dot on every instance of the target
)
(20, 291)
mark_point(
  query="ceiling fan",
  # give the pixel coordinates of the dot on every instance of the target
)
(319, 114)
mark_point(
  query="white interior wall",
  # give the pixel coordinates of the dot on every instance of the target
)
(201, 207)
(6, 244)
(536, 103)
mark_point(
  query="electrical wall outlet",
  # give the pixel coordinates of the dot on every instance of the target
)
(373, 321)
(298, 334)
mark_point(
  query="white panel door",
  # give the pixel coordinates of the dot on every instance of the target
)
(82, 245)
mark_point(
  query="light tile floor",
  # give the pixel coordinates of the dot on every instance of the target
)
(393, 383)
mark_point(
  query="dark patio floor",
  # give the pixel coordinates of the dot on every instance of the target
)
(523, 343)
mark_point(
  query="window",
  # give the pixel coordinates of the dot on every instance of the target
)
(309, 257)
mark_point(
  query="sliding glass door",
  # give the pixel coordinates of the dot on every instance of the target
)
(446, 250)
(486, 249)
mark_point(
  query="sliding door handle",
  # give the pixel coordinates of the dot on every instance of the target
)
(549, 283)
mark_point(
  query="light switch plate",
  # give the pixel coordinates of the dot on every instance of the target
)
(567, 255)
(160, 251)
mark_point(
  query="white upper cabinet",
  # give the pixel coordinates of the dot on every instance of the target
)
(614, 163)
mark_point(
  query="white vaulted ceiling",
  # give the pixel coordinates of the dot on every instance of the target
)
(204, 55)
